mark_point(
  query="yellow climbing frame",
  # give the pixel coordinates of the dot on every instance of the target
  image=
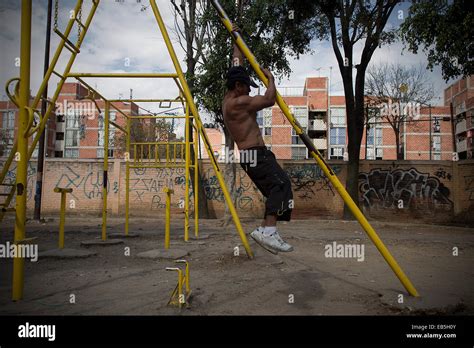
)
(318, 157)
(22, 151)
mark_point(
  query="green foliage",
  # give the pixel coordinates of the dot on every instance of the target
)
(269, 31)
(445, 32)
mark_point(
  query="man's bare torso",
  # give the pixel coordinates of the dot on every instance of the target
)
(241, 123)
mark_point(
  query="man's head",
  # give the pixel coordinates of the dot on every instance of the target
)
(239, 80)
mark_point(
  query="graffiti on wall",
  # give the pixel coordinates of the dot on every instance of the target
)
(385, 188)
(87, 185)
(308, 180)
(469, 186)
(10, 178)
(244, 190)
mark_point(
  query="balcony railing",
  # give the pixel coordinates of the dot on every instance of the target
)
(461, 126)
(316, 125)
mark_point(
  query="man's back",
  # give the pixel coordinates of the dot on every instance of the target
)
(241, 121)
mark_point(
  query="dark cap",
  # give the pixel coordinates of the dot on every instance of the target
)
(238, 73)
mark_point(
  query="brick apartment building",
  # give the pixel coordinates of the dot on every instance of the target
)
(324, 118)
(461, 95)
(76, 129)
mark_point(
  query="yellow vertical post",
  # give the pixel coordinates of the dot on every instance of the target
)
(194, 111)
(186, 175)
(317, 156)
(106, 166)
(196, 183)
(62, 216)
(168, 192)
(22, 148)
(180, 288)
(62, 219)
(127, 178)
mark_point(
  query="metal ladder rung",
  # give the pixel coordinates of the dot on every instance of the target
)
(80, 23)
(58, 74)
(68, 44)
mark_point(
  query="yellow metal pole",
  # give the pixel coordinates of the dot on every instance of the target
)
(22, 150)
(196, 183)
(106, 167)
(62, 219)
(62, 216)
(127, 178)
(194, 111)
(180, 287)
(186, 176)
(319, 159)
(168, 192)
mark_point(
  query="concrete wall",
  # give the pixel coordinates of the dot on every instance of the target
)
(441, 191)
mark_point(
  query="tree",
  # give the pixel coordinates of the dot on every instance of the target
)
(152, 131)
(346, 23)
(444, 31)
(398, 90)
(275, 31)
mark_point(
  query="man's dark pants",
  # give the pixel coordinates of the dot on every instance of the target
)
(271, 180)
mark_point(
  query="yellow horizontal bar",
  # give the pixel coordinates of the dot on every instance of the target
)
(127, 75)
(177, 100)
(164, 166)
(119, 127)
(161, 143)
(158, 116)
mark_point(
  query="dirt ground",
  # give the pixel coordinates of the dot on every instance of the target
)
(303, 282)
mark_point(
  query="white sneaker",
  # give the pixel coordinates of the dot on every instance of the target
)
(272, 243)
(264, 241)
(284, 246)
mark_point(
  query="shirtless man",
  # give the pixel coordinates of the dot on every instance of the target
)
(240, 113)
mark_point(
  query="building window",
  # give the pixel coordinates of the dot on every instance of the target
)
(58, 154)
(437, 156)
(100, 153)
(59, 136)
(260, 118)
(378, 154)
(301, 115)
(338, 116)
(72, 137)
(8, 125)
(101, 133)
(337, 136)
(337, 153)
(267, 131)
(71, 153)
(295, 139)
(378, 136)
(298, 153)
(437, 143)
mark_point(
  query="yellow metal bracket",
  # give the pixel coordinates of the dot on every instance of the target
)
(180, 297)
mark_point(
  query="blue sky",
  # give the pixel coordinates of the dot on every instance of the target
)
(121, 33)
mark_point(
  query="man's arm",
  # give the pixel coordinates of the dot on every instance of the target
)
(237, 56)
(260, 102)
